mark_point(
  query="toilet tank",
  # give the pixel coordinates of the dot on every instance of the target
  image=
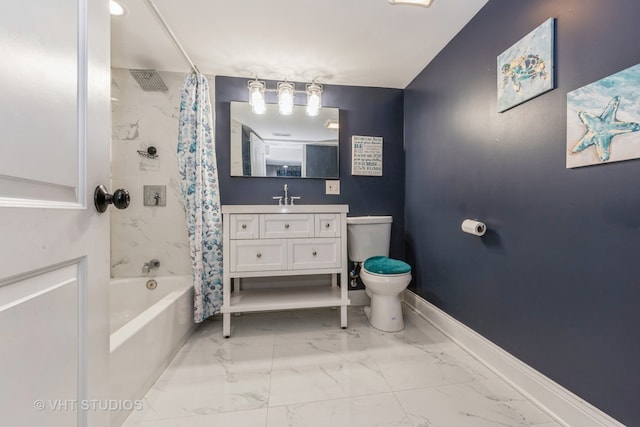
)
(368, 236)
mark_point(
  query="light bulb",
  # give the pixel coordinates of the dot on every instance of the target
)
(256, 96)
(314, 99)
(286, 92)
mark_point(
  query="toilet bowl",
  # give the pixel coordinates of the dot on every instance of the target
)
(384, 289)
(384, 279)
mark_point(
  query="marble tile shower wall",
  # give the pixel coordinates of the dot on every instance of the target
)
(139, 233)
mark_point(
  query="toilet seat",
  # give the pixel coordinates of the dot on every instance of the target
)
(385, 266)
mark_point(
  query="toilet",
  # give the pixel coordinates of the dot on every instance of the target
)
(384, 279)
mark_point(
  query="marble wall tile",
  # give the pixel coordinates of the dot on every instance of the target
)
(139, 120)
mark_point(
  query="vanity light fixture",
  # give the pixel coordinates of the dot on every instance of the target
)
(256, 96)
(286, 92)
(425, 3)
(314, 98)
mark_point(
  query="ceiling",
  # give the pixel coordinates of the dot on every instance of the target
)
(347, 42)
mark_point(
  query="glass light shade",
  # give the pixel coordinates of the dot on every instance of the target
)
(314, 99)
(256, 96)
(286, 92)
(425, 3)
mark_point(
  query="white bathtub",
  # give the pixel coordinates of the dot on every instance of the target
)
(148, 327)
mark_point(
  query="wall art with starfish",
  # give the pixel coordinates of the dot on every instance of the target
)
(603, 120)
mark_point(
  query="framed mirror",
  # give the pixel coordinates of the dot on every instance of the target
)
(274, 145)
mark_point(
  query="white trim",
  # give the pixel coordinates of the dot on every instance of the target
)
(567, 408)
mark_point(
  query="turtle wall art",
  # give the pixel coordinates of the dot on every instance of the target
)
(525, 70)
(603, 120)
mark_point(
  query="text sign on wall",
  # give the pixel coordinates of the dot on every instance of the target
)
(366, 155)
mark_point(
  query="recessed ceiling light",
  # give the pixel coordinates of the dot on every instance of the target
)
(425, 3)
(332, 124)
(115, 8)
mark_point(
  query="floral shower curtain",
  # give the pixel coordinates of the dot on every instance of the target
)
(199, 184)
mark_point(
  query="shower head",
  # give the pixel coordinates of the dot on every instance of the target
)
(149, 80)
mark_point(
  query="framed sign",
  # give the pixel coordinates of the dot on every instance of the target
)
(366, 155)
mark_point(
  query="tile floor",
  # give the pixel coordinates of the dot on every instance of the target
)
(299, 368)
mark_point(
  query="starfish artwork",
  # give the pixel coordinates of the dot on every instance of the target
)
(603, 120)
(601, 130)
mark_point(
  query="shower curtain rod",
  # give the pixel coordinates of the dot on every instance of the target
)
(156, 11)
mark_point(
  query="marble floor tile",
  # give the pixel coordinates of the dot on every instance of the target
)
(326, 381)
(252, 418)
(185, 397)
(218, 361)
(249, 329)
(322, 351)
(411, 367)
(475, 404)
(299, 368)
(377, 410)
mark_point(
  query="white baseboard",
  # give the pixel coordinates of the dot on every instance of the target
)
(567, 408)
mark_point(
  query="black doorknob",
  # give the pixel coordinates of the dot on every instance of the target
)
(102, 199)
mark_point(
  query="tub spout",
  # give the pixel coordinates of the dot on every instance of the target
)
(148, 266)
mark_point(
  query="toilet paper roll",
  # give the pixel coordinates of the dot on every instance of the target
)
(474, 227)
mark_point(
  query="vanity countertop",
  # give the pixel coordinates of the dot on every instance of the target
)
(275, 209)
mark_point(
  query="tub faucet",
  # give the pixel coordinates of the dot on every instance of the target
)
(148, 266)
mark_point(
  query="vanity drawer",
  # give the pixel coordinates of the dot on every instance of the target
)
(306, 254)
(244, 226)
(258, 255)
(327, 225)
(281, 226)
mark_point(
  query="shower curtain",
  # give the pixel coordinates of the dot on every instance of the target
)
(199, 184)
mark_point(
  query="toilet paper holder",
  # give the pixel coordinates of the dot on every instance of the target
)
(474, 227)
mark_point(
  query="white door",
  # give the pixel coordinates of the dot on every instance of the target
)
(54, 246)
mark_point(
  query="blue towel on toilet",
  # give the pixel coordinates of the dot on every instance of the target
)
(384, 265)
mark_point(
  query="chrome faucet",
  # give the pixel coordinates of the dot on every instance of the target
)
(148, 266)
(286, 200)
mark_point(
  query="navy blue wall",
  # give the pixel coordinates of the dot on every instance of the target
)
(363, 111)
(556, 280)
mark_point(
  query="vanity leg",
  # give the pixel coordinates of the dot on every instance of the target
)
(334, 280)
(343, 316)
(226, 325)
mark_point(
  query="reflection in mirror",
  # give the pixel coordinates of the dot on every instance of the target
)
(274, 145)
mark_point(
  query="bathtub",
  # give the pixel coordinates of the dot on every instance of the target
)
(148, 327)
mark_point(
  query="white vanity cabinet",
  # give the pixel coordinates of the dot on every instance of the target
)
(264, 240)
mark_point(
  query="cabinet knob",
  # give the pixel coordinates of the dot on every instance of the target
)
(327, 225)
(244, 226)
(286, 226)
(258, 255)
(314, 253)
